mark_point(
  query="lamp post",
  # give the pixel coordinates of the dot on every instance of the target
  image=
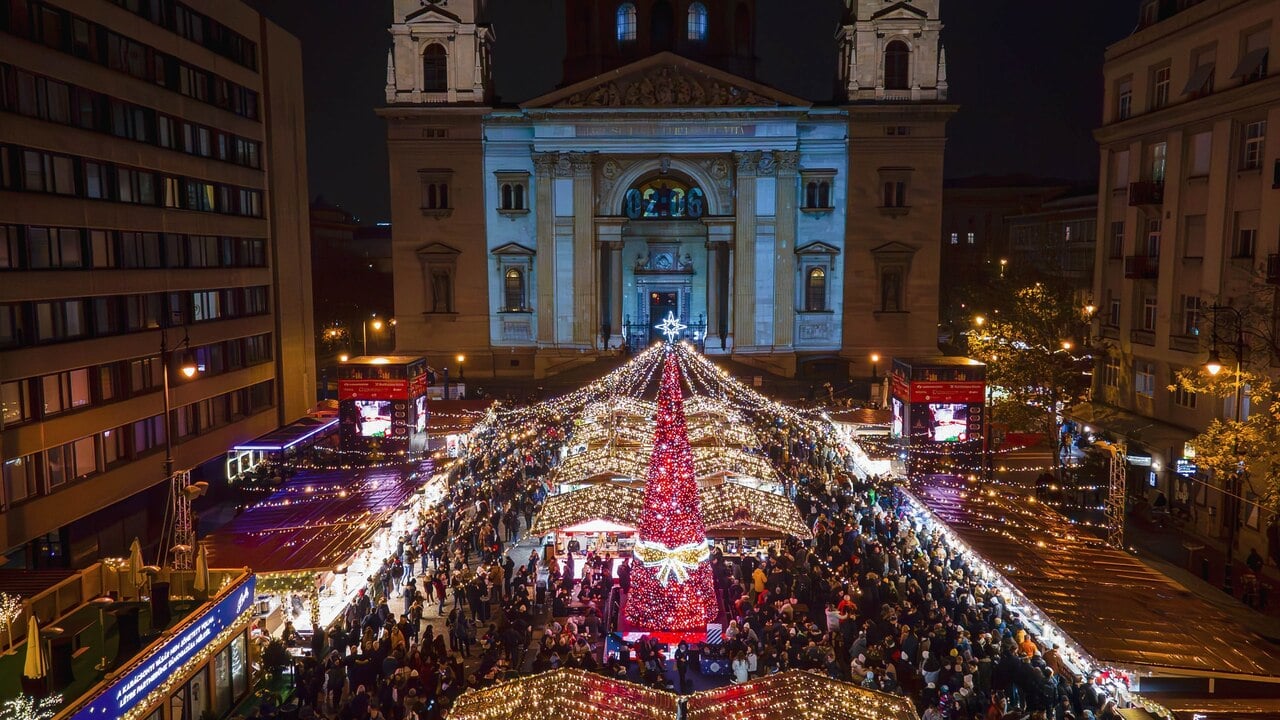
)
(188, 369)
(875, 358)
(1230, 484)
(461, 373)
(364, 327)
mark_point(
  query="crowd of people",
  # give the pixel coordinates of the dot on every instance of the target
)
(876, 598)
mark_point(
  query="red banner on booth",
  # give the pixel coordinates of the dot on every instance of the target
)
(373, 389)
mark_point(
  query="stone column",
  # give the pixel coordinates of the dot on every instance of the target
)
(544, 209)
(744, 281)
(615, 289)
(784, 259)
(585, 326)
(713, 293)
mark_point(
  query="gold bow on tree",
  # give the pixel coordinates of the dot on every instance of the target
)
(671, 562)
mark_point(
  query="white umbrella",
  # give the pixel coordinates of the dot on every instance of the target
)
(35, 665)
(136, 575)
(201, 581)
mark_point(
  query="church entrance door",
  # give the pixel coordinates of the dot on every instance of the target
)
(661, 303)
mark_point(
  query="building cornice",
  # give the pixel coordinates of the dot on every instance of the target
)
(1263, 93)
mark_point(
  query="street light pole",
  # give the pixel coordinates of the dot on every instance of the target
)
(1231, 483)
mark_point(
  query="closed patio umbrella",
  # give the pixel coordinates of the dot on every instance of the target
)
(136, 575)
(201, 581)
(36, 665)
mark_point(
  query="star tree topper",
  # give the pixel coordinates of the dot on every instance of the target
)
(670, 326)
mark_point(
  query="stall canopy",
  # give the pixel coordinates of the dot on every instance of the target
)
(728, 509)
(797, 693)
(1131, 427)
(292, 435)
(616, 461)
(565, 694)
(315, 521)
(1121, 612)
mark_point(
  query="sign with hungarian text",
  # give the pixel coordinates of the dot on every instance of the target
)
(373, 389)
(170, 659)
(930, 391)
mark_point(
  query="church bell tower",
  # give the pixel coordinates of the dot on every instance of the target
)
(441, 53)
(890, 50)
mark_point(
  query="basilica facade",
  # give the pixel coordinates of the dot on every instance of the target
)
(662, 179)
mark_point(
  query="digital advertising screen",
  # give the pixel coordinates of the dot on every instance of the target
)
(948, 422)
(897, 425)
(420, 407)
(374, 418)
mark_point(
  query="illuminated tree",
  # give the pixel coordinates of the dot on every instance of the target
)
(1034, 357)
(671, 585)
(10, 611)
(25, 707)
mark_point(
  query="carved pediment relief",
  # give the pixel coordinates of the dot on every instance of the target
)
(666, 80)
(900, 11)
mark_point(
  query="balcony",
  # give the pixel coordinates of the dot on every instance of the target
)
(1141, 267)
(1273, 269)
(1146, 194)
(1143, 337)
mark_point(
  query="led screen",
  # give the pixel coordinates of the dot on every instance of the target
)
(948, 422)
(375, 417)
(895, 430)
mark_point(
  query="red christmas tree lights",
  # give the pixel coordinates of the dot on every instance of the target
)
(671, 583)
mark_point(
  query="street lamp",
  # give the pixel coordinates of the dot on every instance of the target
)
(1230, 484)
(875, 358)
(461, 371)
(979, 320)
(377, 327)
(1003, 263)
(189, 370)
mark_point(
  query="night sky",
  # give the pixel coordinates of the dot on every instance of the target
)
(1027, 74)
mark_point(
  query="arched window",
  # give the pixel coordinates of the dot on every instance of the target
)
(433, 197)
(506, 197)
(824, 194)
(518, 197)
(626, 22)
(513, 290)
(897, 66)
(435, 69)
(815, 290)
(811, 195)
(697, 21)
(662, 26)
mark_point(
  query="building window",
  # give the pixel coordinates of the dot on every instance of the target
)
(697, 21)
(1158, 155)
(626, 21)
(1200, 80)
(815, 290)
(1183, 397)
(891, 290)
(513, 191)
(436, 197)
(513, 290)
(1124, 100)
(435, 69)
(1246, 242)
(817, 194)
(1149, 314)
(897, 66)
(895, 194)
(1111, 373)
(1116, 248)
(1254, 138)
(15, 402)
(1144, 378)
(1113, 312)
(1254, 57)
(1160, 87)
(970, 238)
(21, 479)
(1191, 315)
(955, 238)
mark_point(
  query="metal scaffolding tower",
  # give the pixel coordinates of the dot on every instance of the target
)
(1115, 492)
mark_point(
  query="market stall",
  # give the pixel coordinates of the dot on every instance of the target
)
(1115, 617)
(316, 531)
(565, 694)
(784, 695)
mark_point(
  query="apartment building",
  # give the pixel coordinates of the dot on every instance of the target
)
(1188, 216)
(152, 189)
(1058, 241)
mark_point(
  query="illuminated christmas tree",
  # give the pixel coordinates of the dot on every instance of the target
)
(671, 583)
